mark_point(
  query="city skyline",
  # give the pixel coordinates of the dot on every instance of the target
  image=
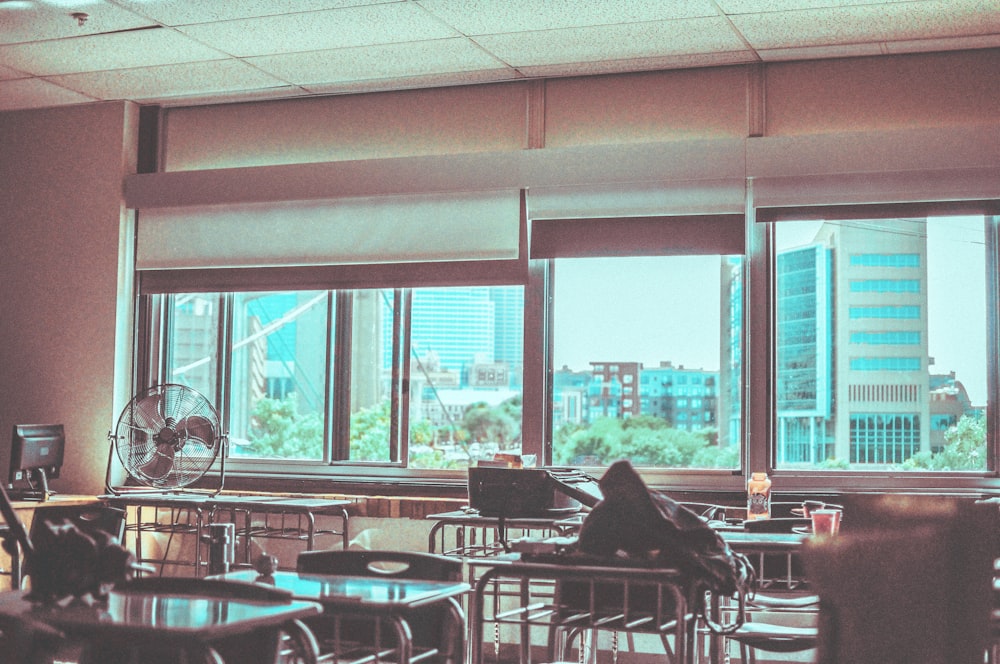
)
(586, 287)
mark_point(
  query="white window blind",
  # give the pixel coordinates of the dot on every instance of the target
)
(366, 230)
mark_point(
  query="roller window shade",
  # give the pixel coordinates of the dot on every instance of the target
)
(879, 211)
(422, 228)
(862, 195)
(639, 199)
(943, 170)
(638, 236)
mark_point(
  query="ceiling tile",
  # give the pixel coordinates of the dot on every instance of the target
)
(620, 42)
(36, 93)
(857, 24)
(119, 50)
(48, 20)
(315, 31)
(378, 62)
(485, 17)
(196, 78)
(183, 12)
(6, 73)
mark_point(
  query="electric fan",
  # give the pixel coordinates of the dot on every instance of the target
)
(168, 437)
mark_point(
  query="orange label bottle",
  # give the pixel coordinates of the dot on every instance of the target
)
(758, 497)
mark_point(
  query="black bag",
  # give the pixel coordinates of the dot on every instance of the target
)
(641, 523)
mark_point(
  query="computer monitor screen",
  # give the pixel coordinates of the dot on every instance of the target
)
(36, 455)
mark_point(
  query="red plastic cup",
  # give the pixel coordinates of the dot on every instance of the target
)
(825, 522)
(808, 506)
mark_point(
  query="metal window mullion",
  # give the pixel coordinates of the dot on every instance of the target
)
(340, 442)
(329, 382)
(536, 409)
(759, 350)
(224, 368)
(992, 233)
(399, 392)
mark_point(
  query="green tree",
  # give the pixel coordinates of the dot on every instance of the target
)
(487, 424)
(278, 430)
(370, 433)
(964, 448)
(645, 440)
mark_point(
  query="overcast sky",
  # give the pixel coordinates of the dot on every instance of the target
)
(673, 306)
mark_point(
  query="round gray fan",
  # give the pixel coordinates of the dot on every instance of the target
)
(168, 437)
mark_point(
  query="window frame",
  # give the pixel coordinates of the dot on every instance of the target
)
(763, 349)
(535, 275)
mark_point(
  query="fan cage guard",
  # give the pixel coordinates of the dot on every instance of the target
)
(167, 438)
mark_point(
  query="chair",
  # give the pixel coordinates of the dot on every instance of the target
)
(88, 519)
(913, 585)
(297, 646)
(755, 635)
(434, 636)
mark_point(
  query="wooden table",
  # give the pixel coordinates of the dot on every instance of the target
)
(157, 628)
(391, 599)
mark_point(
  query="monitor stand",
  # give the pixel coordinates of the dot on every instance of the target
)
(31, 493)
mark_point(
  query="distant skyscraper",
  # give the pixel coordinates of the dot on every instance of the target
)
(509, 329)
(880, 273)
(457, 324)
(730, 404)
(852, 355)
(804, 352)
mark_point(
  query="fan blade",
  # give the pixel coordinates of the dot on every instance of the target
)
(197, 428)
(181, 401)
(161, 464)
(147, 413)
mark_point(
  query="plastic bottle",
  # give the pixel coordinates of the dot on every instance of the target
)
(758, 497)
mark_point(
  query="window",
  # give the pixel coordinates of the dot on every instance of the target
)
(876, 362)
(885, 286)
(317, 376)
(891, 338)
(277, 386)
(885, 364)
(662, 317)
(891, 288)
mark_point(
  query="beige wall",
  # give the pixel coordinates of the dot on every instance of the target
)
(885, 93)
(61, 176)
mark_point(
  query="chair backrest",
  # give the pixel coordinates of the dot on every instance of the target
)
(913, 584)
(199, 587)
(87, 518)
(399, 564)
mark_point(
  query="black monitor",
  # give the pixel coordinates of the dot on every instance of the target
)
(36, 456)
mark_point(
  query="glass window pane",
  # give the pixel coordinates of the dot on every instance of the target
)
(466, 366)
(881, 344)
(667, 328)
(372, 348)
(279, 367)
(193, 337)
